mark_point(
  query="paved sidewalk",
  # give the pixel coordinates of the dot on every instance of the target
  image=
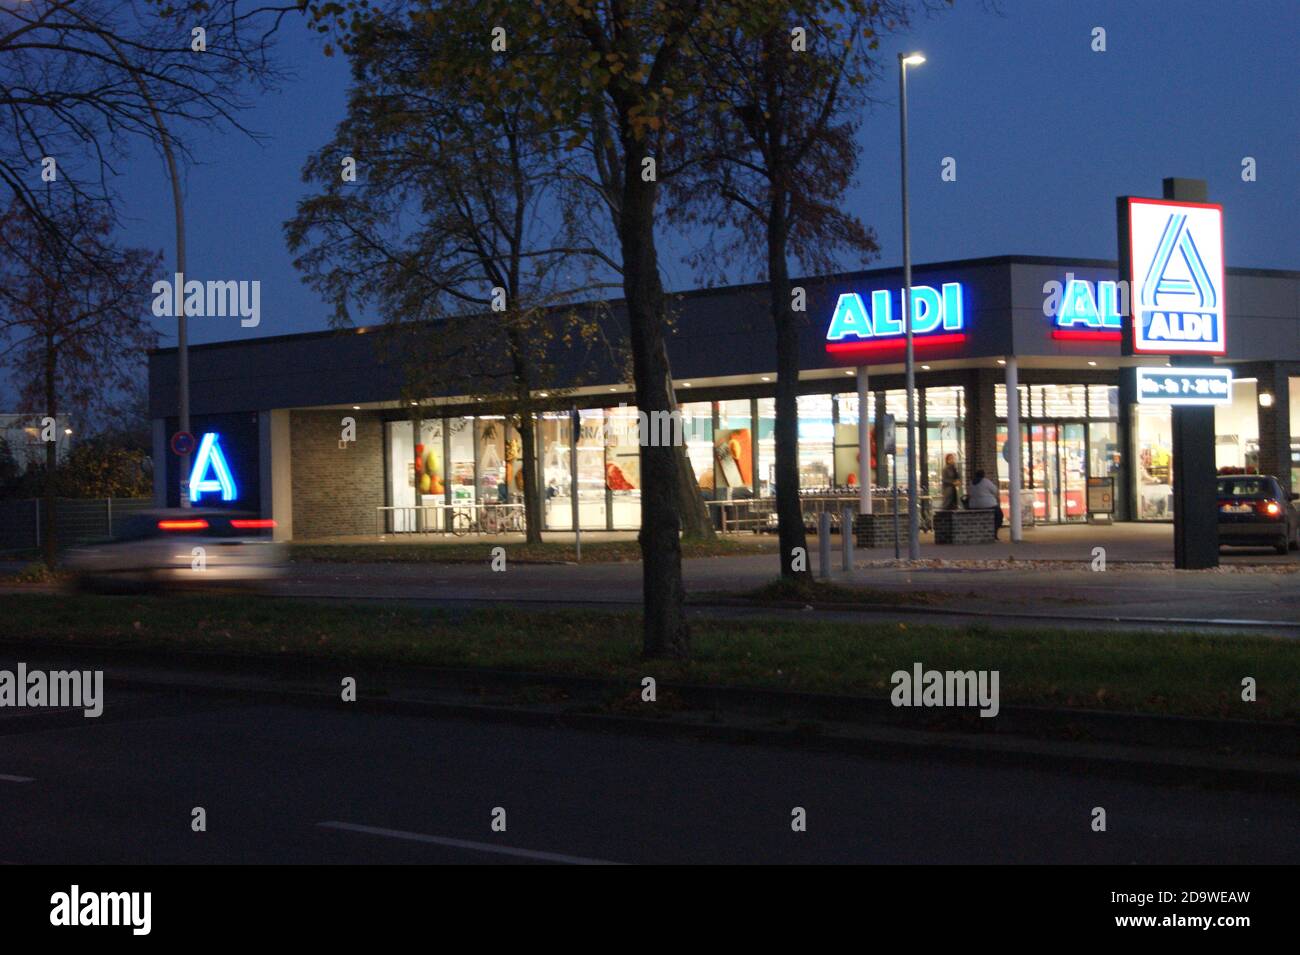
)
(1146, 543)
(1269, 593)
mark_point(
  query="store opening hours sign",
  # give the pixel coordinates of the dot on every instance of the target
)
(1184, 386)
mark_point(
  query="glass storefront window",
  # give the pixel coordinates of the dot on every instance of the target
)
(553, 429)
(766, 447)
(416, 474)
(733, 450)
(816, 442)
(460, 470)
(493, 486)
(1153, 476)
(1103, 401)
(1236, 431)
(623, 467)
(1293, 391)
(944, 435)
(591, 469)
(896, 404)
(697, 429)
(849, 472)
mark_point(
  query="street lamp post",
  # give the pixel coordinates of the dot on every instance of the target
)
(913, 515)
(182, 335)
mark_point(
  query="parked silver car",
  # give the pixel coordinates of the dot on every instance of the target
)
(177, 548)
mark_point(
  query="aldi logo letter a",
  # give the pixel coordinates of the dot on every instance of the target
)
(1177, 267)
(210, 458)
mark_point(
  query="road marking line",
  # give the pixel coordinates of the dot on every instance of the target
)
(16, 779)
(464, 844)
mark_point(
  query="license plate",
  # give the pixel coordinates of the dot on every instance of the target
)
(1236, 508)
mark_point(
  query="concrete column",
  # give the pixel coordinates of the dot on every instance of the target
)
(1275, 423)
(1015, 467)
(274, 470)
(865, 476)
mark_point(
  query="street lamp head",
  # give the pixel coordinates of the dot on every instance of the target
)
(912, 59)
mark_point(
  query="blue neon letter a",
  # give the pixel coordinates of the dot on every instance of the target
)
(210, 457)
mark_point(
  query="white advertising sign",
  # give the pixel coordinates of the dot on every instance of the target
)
(1177, 270)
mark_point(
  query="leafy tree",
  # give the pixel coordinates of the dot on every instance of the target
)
(73, 327)
(449, 213)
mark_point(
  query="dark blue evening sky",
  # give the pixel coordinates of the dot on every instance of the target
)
(1045, 133)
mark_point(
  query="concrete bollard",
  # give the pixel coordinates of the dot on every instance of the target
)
(846, 540)
(824, 543)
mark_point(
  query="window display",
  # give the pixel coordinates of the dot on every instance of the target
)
(1236, 430)
(816, 442)
(1153, 476)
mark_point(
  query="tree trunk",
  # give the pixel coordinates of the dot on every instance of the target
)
(666, 632)
(532, 495)
(789, 512)
(696, 524)
(527, 437)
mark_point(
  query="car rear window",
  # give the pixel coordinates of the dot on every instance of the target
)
(1250, 487)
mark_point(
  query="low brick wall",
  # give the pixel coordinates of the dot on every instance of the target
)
(877, 530)
(963, 527)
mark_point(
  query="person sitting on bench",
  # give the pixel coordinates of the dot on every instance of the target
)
(983, 496)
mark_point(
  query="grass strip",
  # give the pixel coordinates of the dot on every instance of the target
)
(1188, 674)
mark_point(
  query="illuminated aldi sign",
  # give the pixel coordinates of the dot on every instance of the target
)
(1184, 386)
(1177, 272)
(862, 324)
(1087, 311)
(211, 474)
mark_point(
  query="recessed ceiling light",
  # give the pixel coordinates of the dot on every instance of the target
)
(925, 367)
(414, 403)
(1002, 361)
(1092, 364)
(686, 384)
(543, 394)
(356, 407)
(766, 378)
(850, 373)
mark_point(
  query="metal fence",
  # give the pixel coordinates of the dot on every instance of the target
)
(76, 520)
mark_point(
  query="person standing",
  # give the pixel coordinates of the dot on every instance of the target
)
(951, 480)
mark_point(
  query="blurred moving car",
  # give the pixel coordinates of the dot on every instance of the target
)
(1254, 510)
(177, 548)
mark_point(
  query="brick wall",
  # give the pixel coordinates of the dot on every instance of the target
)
(877, 530)
(963, 527)
(335, 490)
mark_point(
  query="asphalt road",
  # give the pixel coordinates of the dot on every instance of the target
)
(297, 783)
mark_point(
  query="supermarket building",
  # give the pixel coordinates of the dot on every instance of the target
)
(315, 431)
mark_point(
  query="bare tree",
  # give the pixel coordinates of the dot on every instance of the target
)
(74, 326)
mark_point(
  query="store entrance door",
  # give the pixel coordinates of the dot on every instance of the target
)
(1056, 465)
